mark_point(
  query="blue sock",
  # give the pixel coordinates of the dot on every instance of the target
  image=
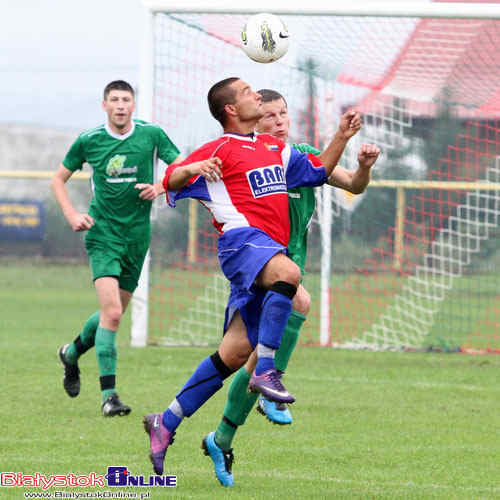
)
(204, 382)
(276, 310)
(170, 420)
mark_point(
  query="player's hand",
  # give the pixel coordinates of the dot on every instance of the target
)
(149, 191)
(209, 169)
(80, 222)
(350, 123)
(368, 155)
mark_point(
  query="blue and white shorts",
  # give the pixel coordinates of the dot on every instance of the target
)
(242, 253)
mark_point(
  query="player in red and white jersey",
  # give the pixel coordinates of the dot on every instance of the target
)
(256, 171)
(242, 179)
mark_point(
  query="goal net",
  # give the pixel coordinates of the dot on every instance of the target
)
(412, 263)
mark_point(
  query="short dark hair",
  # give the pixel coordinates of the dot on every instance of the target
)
(269, 95)
(118, 85)
(219, 95)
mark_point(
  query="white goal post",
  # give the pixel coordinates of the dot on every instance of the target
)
(376, 9)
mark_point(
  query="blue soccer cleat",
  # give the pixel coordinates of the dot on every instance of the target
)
(223, 460)
(277, 413)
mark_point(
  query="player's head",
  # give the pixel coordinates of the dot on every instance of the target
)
(275, 120)
(233, 99)
(119, 104)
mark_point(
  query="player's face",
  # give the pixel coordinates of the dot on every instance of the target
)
(247, 102)
(119, 106)
(275, 120)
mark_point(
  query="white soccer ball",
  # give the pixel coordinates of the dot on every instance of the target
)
(265, 38)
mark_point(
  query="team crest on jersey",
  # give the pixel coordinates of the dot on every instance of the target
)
(272, 147)
(266, 180)
(115, 165)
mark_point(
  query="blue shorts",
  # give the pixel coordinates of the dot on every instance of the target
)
(242, 253)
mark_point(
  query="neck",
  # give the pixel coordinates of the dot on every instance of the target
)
(239, 127)
(120, 130)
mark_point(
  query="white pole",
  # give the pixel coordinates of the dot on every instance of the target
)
(140, 299)
(326, 253)
(453, 10)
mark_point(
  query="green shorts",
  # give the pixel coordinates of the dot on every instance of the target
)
(119, 259)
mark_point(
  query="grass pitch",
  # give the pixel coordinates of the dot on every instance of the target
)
(366, 425)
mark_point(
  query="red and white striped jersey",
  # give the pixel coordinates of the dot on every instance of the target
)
(257, 170)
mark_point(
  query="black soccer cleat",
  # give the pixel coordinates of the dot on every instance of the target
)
(71, 381)
(113, 406)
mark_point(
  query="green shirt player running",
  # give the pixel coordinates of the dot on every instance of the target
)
(122, 156)
(218, 444)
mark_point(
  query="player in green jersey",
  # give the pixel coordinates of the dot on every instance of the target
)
(122, 156)
(218, 444)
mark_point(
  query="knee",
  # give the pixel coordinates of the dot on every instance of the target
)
(234, 360)
(291, 274)
(112, 316)
(302, 301)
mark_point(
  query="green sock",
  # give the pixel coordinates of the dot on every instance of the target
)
(84, 341)
(238, 406)
(289, 340)
(105, 347)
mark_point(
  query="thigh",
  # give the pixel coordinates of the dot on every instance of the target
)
(235, 347)
(243, 253)
(108, 292)
(279, 268)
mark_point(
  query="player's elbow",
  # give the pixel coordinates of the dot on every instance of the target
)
(358, 189)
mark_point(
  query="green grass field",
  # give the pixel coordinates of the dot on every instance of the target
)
(367, 425)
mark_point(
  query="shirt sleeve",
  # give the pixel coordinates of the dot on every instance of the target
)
(75, 157)
(167, 150)
(196, 187)
(302, 169)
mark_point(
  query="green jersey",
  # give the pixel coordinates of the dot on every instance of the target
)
(301, 203)
(118, 163)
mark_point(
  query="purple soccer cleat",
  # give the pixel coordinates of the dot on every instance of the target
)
(270, 386)
(160, 438)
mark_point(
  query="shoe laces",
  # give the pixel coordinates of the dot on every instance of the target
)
(71, 371)
(275, 379)
(228, 459)
(115, 399)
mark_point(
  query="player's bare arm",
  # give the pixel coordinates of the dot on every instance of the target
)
(356, 182)
(152, 191)
(77, 220)
(350, 123)
(209, 169)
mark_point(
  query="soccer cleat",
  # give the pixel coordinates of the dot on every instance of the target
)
(71, 381)
(160, 438)
(223, 460)
(277, 413)
(270, 386)
(113, 406)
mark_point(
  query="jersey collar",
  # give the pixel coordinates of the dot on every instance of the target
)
(120, 137)
(242, 137)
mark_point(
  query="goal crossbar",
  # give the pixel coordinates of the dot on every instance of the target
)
(340, 8)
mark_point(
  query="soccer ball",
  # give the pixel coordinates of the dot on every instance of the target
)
(265, 38)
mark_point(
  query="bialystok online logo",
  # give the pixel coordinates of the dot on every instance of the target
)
(118, 475)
